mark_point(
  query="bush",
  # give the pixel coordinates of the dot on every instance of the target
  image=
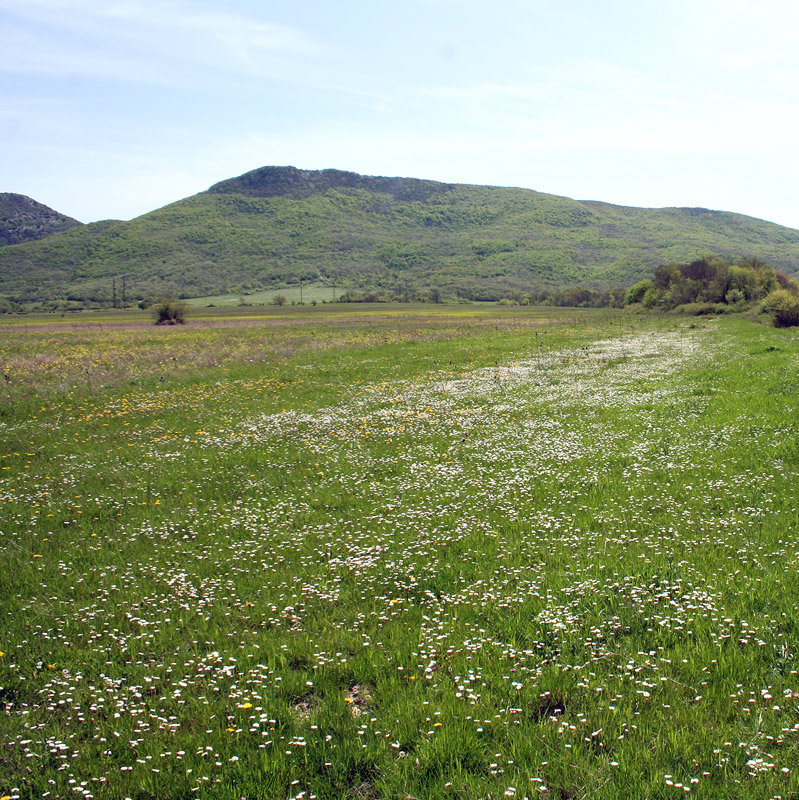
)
(787, 283)
(784, 308)
(701, 309)
(351, 296)
(9, 306)
(169, 312)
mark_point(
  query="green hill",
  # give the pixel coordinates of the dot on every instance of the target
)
(23, 219)
(278, 225)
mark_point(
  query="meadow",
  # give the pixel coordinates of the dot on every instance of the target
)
(306, 293)
(429, 552)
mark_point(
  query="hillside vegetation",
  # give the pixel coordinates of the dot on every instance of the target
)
(22, 219)
(279, 225)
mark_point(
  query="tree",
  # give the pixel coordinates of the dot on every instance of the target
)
(744, 280)
(635, 294)
(709, 281)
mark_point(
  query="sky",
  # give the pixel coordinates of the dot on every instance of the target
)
(113, 108)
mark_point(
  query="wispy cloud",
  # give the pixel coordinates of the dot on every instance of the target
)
(141, 40)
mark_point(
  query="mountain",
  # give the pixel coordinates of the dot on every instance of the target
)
(23, 219)
(278, 225)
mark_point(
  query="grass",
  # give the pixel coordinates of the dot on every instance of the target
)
(310, 293)
(432, 553)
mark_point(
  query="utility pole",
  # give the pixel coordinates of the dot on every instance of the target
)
(300, 291)
(124, 295)
(114, 292)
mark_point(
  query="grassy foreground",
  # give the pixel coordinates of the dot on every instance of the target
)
(437, 554)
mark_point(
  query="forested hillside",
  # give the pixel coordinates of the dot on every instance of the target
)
(279, 225)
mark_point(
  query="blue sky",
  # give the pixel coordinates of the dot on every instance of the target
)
(112, 108)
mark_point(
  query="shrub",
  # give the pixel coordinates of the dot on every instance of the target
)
(169, 312)
(701, 309)
(279, 300)
(787, 283)
(636, 293)
(784, 308)
(9, 306)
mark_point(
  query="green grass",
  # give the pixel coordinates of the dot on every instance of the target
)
(309, 293)
(432, 553)
(477, 242)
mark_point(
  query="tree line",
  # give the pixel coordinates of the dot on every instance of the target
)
(709, 280)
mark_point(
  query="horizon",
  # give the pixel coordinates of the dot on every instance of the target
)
(112, 111)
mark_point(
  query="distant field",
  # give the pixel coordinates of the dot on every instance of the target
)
(310, 293)
(398, 552)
